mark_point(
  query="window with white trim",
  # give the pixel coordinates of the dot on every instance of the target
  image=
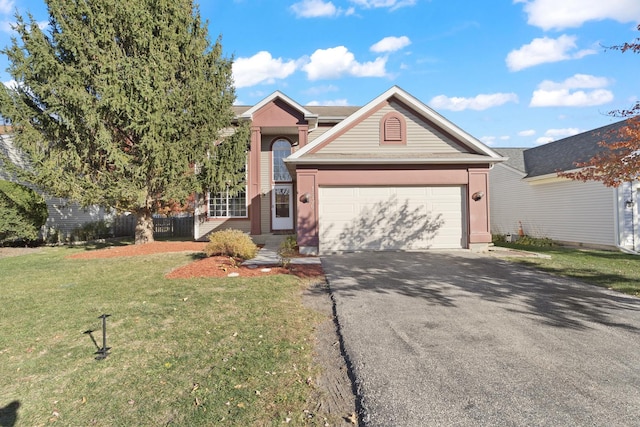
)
(225, 204)
(280, 150)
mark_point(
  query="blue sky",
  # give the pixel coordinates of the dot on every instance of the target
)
(512, 73)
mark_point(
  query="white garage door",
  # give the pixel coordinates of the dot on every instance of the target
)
(391, 218)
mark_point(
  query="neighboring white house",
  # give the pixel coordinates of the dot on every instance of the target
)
(64, 215)
(527, 196)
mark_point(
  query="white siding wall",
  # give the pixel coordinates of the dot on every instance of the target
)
(65, 216)
(365, 136)
(563, 210)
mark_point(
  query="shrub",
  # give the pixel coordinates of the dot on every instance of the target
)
(22, 213)
(498, 238)
(501, 239)
(91, 231)
(287, 249)
(535, 241)
(232, 243)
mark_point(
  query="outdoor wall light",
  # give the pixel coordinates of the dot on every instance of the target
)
(629, 204)
(477, 195)
(305, 198)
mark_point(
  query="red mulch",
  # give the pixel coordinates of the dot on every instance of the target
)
(218, 266)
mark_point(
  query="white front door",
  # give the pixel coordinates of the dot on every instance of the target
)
(282, 207)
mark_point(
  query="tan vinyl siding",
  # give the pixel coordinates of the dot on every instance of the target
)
(365, 136)
(265, 165)
(321, 129)
(212, 225)
(562, 210)
(265, 212)
(265, 184)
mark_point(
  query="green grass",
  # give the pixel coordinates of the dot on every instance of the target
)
(608, 269)
(229, 351)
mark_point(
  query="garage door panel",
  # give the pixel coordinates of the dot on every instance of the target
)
(389, 218)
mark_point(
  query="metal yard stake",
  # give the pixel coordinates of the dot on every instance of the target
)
(103, 352)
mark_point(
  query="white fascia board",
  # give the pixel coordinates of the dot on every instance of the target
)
(542, 179)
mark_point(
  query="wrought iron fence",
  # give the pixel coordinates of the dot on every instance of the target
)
(125, 225)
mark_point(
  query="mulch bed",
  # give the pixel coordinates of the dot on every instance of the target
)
(218, 266)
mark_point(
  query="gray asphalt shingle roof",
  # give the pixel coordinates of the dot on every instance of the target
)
(561, 155)
(515, 157)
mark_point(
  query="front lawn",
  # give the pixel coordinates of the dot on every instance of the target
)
(185, 352)
(608, 269)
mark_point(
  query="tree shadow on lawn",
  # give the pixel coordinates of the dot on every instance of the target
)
(445, 278)
(101, 244)
(592, 276)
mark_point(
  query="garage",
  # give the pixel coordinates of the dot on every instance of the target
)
(391, 217)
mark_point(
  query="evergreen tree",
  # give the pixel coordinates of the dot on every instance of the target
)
(116, 102)
(22, 213)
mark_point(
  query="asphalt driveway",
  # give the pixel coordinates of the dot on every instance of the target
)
(439, 339)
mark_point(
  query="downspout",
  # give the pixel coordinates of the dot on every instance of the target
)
(633, 222)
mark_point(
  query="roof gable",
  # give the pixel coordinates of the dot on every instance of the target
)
(279, 106)
(451, 139)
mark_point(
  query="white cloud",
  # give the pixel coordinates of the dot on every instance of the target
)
(555, 14)
(543, 50)
(561, 133)
(319, 90)
(555, 134)
(565, 94)
(340, 102)
(577, 81)
(338, 61)
(488, 140)
(391, 44)
(390, 4)
(261, 68)
(491, 140)
(318, 9)
(528, 132)
(480, 102)
(6, 6)
(544, 140)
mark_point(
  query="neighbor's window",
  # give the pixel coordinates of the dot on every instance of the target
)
(281, 149)
(393, 129)
(226, 205)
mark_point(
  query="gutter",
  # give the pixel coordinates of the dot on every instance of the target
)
(387, 161)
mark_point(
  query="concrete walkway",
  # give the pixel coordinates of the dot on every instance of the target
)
(268, 254)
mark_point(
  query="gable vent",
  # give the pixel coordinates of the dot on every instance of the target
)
(393, 129)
